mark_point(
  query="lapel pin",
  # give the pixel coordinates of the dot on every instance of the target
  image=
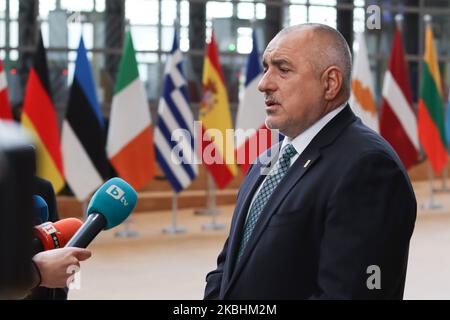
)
(307, 163)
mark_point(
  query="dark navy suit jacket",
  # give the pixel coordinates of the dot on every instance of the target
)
(345, 205)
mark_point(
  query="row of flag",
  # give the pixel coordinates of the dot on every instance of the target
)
(81, 155)
(397, 122)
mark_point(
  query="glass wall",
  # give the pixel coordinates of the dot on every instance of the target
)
(153, 23)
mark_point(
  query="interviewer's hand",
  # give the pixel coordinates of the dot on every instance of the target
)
(55, 265)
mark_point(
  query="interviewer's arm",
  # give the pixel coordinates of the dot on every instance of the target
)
(53, 265)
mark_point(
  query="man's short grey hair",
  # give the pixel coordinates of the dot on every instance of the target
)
(337, 51)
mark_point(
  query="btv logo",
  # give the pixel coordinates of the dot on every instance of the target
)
(117, 193)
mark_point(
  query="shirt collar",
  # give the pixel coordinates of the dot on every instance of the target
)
(301, 141)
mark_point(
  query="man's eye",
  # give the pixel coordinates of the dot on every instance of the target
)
(284, 70)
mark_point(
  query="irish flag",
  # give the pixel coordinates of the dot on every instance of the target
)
(430, 119)
(217, 149)
(129, 143)
(39, 118)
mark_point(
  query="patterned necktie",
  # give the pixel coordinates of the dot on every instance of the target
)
(269, 185)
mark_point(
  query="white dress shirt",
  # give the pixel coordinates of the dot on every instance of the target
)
(301, 141)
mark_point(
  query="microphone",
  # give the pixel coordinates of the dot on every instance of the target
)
(51, 235)
(110, 205)
(41, 210)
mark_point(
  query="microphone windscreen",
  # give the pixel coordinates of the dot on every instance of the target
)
(56, 235)
(115, 200)
(40, 209)
(67, 227)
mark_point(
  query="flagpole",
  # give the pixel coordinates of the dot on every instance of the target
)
(127, 232)
(399, 21)
(179, 166)
(84, 205)
(431, 204)
(427, 19)
(174, 228)
(445, 174)
(213, 99)
(445, 188)
(211, 208)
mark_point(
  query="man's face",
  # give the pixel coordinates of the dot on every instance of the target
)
(291, 85)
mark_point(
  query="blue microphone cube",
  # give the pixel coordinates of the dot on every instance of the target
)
(115, 200)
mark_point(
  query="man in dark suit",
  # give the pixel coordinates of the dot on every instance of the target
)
(333, 217)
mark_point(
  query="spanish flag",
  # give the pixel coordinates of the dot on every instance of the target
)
(430, 119)
(39, 117)
(217, 149)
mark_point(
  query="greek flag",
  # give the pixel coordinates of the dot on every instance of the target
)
(174, 132)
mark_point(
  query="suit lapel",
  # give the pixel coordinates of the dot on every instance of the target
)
(309, 157)
(251, 184)
(300, 167)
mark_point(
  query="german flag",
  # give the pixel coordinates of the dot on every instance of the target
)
(217, 150)
(430, 118)
(39, 117)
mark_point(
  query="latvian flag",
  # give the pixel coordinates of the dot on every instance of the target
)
(397, 118)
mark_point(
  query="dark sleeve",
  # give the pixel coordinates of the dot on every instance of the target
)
(44, 189)
(369, 223)
(214, 278)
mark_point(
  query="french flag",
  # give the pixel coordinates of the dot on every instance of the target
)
(252, 135)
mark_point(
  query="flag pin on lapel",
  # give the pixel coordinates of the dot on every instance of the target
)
(306, 163)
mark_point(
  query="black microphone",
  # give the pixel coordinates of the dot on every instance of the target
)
(111, 204)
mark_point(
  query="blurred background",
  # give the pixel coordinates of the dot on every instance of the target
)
(144, 262)
(151, 22)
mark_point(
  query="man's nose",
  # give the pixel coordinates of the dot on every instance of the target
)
(266, 83)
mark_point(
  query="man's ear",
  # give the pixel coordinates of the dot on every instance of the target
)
(332, 81)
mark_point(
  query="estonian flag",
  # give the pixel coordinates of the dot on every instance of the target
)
(83, 134)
